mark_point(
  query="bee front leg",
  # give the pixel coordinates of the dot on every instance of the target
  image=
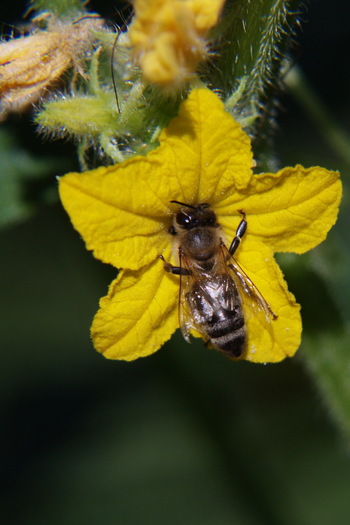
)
(241, 229)
(176, 270)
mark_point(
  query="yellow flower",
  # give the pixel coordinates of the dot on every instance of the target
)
(168, 37)
(124, 213)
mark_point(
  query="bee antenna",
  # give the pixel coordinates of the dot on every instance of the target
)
(85, 17)
(184, 204)
(112, 69)
(119, 30)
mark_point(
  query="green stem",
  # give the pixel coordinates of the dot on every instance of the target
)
(70, 8)
(252, 42)
(253, 38)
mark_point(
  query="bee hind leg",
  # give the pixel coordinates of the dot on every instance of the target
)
(175, 270)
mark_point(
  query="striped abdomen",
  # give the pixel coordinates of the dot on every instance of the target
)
(217, 311)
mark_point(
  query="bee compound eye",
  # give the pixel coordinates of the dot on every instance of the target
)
(183, 219)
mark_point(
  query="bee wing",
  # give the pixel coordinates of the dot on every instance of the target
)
(187, 278)
(250, 294)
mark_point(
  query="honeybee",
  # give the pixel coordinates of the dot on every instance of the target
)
(213, 287)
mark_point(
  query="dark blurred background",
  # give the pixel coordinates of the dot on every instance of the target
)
(184, 436)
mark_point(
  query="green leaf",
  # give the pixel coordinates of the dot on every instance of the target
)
(19, 170)
(327, 354)
(321, 283)
(332, 262)
(327, 357)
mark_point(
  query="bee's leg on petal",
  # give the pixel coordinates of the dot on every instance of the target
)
(176, 270)
(241, 229)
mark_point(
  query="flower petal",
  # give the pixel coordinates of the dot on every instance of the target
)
(138, 315)
(106, 207)
(290, 211)
(279, 338)
(206, 145)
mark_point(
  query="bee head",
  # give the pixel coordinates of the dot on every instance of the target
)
(189, 217)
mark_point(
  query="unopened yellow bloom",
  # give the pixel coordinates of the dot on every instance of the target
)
(30, 64)
(168, 37)
(124, 213)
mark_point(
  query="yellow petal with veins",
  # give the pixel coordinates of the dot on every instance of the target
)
(275, 339)
(290, 211)
(138, 315)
